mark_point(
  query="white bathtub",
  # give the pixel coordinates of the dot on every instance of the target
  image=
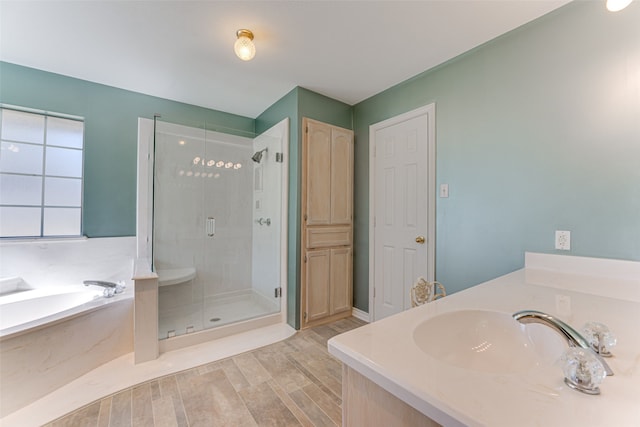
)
(51, 336)
(53, 330)
(22, 311)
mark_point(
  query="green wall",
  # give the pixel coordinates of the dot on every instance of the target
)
(111, 129)
(537, 131)
(296, 105)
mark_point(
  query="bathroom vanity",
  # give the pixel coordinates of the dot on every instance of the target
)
(394, 372)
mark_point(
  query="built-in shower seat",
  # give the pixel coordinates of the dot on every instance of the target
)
(174, 276)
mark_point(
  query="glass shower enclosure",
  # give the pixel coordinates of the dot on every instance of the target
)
(217, 227)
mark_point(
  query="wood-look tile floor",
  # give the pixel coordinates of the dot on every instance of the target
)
(295, 382)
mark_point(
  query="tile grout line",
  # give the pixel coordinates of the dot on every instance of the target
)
(297, 367)
(320, 407)
(184, 409)
(244, 404)
(287, 394)
(306, 420)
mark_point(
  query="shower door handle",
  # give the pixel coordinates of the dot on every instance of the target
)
(211, 226)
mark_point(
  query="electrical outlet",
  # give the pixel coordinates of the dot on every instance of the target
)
(563, 240)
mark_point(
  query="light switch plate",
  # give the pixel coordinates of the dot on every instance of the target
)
(444, 190)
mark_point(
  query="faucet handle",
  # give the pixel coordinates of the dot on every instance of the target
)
(120, 286)
(110, 288)
(600, 338)
(582, 370)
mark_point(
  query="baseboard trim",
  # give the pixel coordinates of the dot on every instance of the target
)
(359, 314)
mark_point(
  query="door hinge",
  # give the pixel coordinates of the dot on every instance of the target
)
(305, 258)
(305, 217)
(374, 292)
(277, 292)
(306, 129)
(305, 315)
(279, 157)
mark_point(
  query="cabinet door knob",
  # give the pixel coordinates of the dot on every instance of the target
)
(420, 239)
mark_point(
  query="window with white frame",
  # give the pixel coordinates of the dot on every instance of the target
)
(40, 174)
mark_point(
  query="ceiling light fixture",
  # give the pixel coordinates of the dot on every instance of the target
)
(617, 5)
(244, 47)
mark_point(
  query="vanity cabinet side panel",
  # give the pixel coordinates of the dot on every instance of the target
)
(364, 403)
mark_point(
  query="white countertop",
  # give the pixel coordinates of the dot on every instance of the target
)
(606, 291)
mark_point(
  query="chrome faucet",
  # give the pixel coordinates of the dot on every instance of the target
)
(573, 337)
(110, 288)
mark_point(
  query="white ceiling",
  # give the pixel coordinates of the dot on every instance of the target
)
(183, 50)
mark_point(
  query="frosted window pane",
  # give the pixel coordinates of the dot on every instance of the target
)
(20, 158)
(40, 175)
(62, 192)
(64, 162)
(61, 222)
(23, 127)
(64, 132)
(18, 222)
(20, 190)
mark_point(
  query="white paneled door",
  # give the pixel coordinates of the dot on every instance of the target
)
(401, 204)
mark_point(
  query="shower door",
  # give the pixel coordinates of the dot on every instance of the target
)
(216, 264)
(267, 212)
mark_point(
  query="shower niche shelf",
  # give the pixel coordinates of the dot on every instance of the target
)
(173, 276)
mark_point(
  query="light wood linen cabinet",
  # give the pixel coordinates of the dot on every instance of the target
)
(327, 223)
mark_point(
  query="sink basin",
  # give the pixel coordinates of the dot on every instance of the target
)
(488, 341)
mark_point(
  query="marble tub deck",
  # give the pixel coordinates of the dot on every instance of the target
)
(292, 382)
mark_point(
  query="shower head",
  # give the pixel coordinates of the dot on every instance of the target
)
(258, 155)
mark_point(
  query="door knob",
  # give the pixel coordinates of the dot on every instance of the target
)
(420, 239)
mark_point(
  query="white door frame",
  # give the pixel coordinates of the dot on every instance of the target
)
(429, 111)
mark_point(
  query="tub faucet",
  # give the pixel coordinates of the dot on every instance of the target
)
(573, 337)
(110, 288)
